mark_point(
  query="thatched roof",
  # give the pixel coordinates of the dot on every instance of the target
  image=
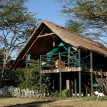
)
(76, 41)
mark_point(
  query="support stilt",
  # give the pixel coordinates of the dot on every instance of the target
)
(75, 87)
(40, 75)
(79, 52)
(60, 77)
(102, 81)
(91, 71)
(86, 91)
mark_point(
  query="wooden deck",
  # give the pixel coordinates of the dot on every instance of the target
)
(71, 69)
(66, 69)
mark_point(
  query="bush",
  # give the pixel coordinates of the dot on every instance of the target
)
(29, 78)
(55, 94)
(64, 93)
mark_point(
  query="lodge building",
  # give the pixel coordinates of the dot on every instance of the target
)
(72, 61)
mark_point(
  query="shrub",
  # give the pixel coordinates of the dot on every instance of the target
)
(29, 78)
(55, 94)
(64, 93)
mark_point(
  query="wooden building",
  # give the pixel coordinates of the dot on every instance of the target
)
(72, 61)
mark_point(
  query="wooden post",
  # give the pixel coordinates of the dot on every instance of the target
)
(86, 91)
(60, 77)
(40, 72)
(102, 81)
(79, 54)
(91, 71)
(69, 49)
(53, 84)
(69, 86)
(75, 87)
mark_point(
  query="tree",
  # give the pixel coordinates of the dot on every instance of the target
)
(4, 75)
(92, 10)
(16, 25)
(92, 13)
(74, 26)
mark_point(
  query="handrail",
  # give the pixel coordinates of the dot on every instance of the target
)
(50, 60)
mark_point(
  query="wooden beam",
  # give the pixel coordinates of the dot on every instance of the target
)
(48, 34)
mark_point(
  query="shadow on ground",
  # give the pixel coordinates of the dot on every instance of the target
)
(32, 104)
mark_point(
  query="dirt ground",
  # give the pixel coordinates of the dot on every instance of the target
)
(49, 102)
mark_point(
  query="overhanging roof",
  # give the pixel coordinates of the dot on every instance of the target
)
(76, 41)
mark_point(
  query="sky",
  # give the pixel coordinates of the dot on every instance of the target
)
(46, 10)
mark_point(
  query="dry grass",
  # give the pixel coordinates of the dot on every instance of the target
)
(13, 101)
(23, 102)
(76, 103)
(47, 102)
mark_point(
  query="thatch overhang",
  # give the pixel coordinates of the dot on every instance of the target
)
(41, 41)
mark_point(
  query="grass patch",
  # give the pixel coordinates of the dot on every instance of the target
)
(103, 98)
(53, 102)
(91, 98)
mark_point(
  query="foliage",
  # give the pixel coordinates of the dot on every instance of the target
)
(29, 78)
(55, 94)
(91, 13)
(45, 84)
(64, 93)
(25, 77)
(74, 26)
(16, 24)
(94, 10)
